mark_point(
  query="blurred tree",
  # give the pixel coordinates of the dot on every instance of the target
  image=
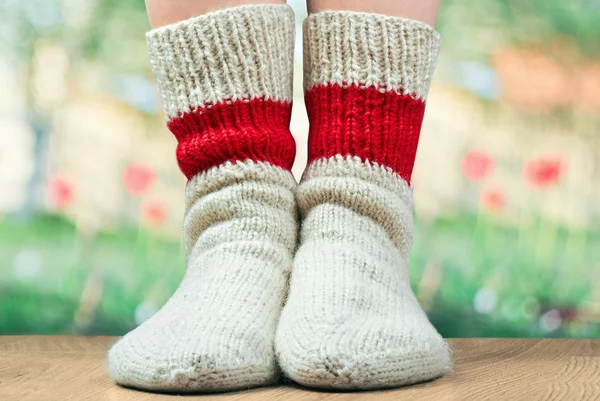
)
(107, 32)
(109, 35)
(523, 22)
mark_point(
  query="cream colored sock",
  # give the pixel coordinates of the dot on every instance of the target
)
(216, 332)
(351, 320)
(226, 85)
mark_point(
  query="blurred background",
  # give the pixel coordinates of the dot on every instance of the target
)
(506, 183)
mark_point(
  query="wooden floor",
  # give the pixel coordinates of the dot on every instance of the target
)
(73, 368)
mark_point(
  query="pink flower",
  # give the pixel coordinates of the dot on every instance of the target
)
(137, 178)
(492, 200)
(59, 191)
(543, 171)
(153, 212)
(477, 165)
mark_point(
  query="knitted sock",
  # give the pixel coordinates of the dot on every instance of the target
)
(351, 320)
(225, 81)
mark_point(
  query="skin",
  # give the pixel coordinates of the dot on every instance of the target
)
(420, 10)
(165, 12)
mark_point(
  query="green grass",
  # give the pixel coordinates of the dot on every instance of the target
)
(93, 286)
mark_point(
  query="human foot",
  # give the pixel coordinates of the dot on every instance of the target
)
(226, 84)
(351, 320)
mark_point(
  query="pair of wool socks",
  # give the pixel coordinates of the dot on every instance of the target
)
(349, 319)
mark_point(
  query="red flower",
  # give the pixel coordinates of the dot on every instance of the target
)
(59, 191)
(543, 172)
(492, 200)
(137, 178)
(476, 165)
(153, 212)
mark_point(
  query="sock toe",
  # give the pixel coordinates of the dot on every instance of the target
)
(359, 354)
(169, 367)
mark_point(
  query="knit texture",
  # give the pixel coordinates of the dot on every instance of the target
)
(226, 87)
(217, 331)
(366, 81)
(369, 50)
(351, 320)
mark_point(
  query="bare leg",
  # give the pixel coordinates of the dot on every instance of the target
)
(165, 12)
(420, 10)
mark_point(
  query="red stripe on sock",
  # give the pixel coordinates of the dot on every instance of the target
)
(254, 129)
(381, 127)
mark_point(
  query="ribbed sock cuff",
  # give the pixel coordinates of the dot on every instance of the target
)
(225, 79)
(369, 50)
(366, 82)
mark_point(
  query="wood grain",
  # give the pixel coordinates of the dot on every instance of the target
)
(73, 368)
